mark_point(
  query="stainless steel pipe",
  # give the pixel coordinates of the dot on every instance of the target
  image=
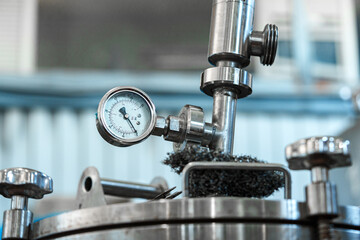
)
(223, 118)
(130, 190)
(231, 26)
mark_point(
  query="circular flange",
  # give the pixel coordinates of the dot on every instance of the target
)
(330, 152)
(185, 211)
(193, 126)
(194, 120)
(235, 79)
(24, 182)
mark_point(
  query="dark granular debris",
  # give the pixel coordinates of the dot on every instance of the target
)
(235, 183)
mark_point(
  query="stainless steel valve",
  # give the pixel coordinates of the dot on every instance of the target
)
(19, 184)
(232, 42)
(189, 127)
(319, 154)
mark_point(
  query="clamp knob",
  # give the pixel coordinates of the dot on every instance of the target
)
(19, 184)
(319, 154)
(24, 182)
(327, 152)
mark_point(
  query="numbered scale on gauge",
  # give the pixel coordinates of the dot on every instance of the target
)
(125, 116)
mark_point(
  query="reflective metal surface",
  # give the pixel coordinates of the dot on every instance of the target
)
(321, 199)
(231, 25)
(24, 182)
(232, 37)
(92, 189)
(90, 192)
(194, 123)
(199, 218)
(19, 184)
(236, 79)
(131, 190)
(330, 152)
(319, 154)
(232, 42)
(189, 127)
(223, 119)
(163, 211)
(264, 44)
(205, 231)
(17, 224)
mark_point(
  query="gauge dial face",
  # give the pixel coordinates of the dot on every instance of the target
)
(128, 115)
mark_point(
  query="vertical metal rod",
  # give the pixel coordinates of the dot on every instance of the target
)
(223, 118)
(130, 190)
(19, 202)
(319, 174)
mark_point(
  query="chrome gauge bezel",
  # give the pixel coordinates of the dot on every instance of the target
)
(104, 130)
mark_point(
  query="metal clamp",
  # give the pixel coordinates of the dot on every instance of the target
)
(19, 184)
(319, 154)
(188, 127)
(92, 189)
(237, 166)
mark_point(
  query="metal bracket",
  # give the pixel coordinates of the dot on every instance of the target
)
(90, 192)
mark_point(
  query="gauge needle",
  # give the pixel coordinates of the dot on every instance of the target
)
(126, 117)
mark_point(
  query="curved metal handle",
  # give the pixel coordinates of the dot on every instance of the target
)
(234, 166)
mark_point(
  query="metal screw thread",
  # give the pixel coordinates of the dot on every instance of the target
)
(325, 231)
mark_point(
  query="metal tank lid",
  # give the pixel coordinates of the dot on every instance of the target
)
(184, 211)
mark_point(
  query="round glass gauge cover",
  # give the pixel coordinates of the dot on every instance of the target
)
(125, 116)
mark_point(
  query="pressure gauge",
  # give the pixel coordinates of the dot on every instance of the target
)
(125, 116)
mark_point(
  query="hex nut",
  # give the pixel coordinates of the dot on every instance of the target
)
(176, 131)
(160, 127)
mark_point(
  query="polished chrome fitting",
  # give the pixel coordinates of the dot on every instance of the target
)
(188, 127)
(19, 184)
(92, 190)
(235, 79)
(328, 152)
(232, 37)
(319, 154)
(232, 42)
(264, 44)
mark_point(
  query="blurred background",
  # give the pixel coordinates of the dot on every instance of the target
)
(59, 57)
